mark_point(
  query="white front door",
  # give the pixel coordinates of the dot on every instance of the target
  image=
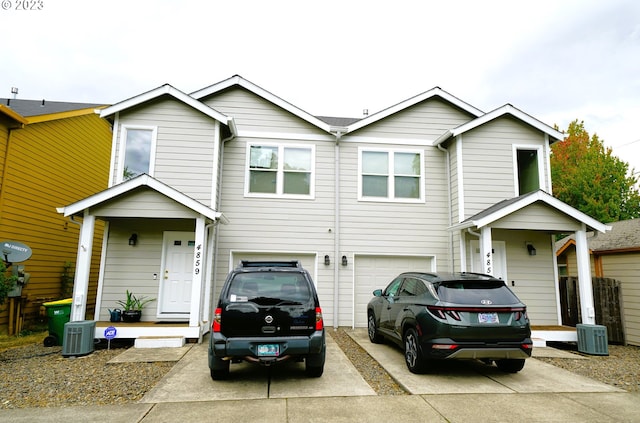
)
(176, 279)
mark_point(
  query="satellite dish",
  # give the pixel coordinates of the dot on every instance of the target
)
(14, 251)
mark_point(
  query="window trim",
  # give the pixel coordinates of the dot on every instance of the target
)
(280, 171)
(390, 198)
(539, 152)
(122, 148)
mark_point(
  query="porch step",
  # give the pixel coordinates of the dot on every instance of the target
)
(159, 342)
(539, 342)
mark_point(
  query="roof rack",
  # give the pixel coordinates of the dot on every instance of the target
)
(249, 263)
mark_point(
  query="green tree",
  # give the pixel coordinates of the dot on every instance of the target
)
(587, 176)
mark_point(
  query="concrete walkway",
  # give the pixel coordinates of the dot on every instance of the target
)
(471, 392)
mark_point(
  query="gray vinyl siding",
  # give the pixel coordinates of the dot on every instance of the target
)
(184, 146)
(488, 163)
(426, 120)
(625, 267)
(253, 113)
(276, 225)
(537, 217)
(144, 203)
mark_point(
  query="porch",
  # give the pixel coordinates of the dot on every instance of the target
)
(543, 334)
(156, 333)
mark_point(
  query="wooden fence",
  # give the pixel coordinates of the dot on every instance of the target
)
(606, 299)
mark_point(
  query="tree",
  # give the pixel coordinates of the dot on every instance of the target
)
(587, 176)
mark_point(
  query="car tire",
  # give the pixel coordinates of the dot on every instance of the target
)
(372, 329)
(220, 369)
(314, 364)
(413, 356)
(510, 365)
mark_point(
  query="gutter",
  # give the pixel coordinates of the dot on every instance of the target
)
(338, 132)
(449, 205)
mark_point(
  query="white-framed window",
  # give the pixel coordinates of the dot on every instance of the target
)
(137, 147)
(528, 168)
(390, 175)
(280, 170)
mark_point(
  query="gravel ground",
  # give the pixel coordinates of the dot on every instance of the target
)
(35, 376)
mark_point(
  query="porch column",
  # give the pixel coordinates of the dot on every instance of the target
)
(198, 270)
(584, 277)
(486, 251)
(83, 268)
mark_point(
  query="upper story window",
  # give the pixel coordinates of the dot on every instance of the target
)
(139, 148)
(391, 175)
(528, 165)
(280, 170)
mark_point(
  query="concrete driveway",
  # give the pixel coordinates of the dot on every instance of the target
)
(474, 377)
(189, 380)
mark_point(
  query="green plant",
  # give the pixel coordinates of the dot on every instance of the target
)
(7, 283)
(134, 303)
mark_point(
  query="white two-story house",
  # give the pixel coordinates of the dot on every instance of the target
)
(200, 181)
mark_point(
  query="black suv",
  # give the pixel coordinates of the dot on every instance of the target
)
(451, 316)
(268, 312)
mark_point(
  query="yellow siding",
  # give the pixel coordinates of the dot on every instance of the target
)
(52, 164)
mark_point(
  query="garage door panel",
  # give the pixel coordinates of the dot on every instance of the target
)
(376, 272)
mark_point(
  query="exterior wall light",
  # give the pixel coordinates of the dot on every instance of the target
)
(133, 239)
(344, 260)
(327, 260)
(531, 249)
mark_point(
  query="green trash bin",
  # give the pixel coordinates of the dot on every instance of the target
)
(58, 313)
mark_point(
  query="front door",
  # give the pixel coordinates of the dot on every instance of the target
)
(177, 274)
(499, 259)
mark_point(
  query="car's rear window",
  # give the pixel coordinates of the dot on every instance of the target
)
(273, 285)
(476, 293)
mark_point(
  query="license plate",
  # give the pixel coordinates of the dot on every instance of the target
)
(488, 318)
(268, 350)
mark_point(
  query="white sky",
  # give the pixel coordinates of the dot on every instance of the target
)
(558, 60)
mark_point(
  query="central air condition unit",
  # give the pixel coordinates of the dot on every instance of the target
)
(592, 339)
(78, 338)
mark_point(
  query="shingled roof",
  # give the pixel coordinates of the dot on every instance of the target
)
(29, 108)
(624, 235)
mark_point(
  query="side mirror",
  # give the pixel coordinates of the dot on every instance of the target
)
(377, 293)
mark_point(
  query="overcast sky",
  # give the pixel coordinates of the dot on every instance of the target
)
(558, 60)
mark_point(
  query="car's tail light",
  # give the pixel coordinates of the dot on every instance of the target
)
(520, 314)
(319, 320)
(216, 326)
(442, 312)
(444, 346)
(527, 346)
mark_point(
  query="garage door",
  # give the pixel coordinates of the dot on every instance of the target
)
(308, 260)
(376, 272)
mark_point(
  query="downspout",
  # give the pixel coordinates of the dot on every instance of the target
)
(449, 205)
(338, 132)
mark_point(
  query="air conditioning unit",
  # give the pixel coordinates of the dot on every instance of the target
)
(78, 338)
(592, 339)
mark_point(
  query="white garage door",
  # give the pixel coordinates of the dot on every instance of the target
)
(376, 272)
(308, 260)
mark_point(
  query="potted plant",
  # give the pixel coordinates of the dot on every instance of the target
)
(132, 307)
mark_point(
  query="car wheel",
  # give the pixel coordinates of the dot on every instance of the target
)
(510, 366)
(374, 335)
(314, 364)
(220, 369)
(413, 353)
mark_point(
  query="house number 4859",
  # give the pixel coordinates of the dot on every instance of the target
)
(198, 262)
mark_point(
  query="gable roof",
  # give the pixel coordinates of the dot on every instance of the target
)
(144, 180)
(624, 236)
(12, 114)
(237, 80)
(30, 108)
(509, 206)
(167, 89)
(434, 92)
(507, 109)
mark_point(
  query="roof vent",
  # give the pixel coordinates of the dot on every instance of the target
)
(42, 105)
(365, 112)
(14, 91)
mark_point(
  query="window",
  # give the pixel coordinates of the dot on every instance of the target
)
(391, 175)
(280, 170)
(139, 146)
(528, 169)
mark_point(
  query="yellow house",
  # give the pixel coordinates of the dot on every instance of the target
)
(50, 153)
